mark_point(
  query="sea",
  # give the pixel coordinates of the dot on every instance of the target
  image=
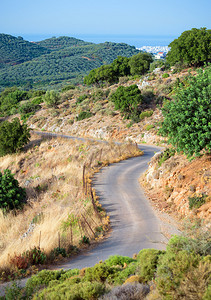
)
(133, 40)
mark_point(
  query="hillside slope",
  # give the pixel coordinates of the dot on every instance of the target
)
(54, 60)
(14, 50)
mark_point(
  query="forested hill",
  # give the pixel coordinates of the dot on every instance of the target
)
(61, 43)
(53, 61)
(15, 50)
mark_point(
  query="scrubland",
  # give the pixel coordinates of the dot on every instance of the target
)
(61, 212)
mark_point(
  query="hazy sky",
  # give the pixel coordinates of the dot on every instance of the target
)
(66, 17)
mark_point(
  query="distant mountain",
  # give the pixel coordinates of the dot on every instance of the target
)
(15, 50)
(53, 61)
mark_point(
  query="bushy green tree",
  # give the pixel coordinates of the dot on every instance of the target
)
(121, 66)
(52, 98)
(140, 63)
(12, 196)
(13, 136)
(187, 119)
(192, 47)
(127, 99)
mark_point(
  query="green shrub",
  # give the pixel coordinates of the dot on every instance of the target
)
(166, 155)
(146, 114)
(147, 263)
(172, 269)
(187, 119)
(120, 275)
(165, 75)
(35, 256)
(115, 260)
(29, 107)
(127, 100)
(13, 136)
(84, 115)
(43, 278)
(58, 251)
(69, 274)
(82, 290)
(195, 283)
(199, 245)
(37, 100)
(12, 196)
(140, 63)
(196, 201)
(191, 47)
(99, 272)
(13, 292)
(52, 98)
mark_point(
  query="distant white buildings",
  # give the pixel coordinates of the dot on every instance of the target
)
(159, 52)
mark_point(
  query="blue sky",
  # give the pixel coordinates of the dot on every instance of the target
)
(137, 17)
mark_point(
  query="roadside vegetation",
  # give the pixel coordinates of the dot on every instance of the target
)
(181, 272)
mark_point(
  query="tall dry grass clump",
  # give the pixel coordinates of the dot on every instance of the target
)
(61, 209)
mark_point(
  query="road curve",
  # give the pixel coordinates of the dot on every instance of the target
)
(134, 223)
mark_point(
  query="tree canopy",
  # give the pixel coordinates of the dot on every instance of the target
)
(187, 119)
(122, 66)
(12, 196)
(192, 47)
(13, 136)
(127, 100)
(140, 63)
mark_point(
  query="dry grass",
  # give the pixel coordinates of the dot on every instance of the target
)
(52, 172)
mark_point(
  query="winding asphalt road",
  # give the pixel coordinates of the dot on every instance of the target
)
(134, 223)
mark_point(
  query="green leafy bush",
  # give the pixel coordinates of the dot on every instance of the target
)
(165, 75)
(58, 251)
(115, 260)
(35, 256)
(43, 278)
(146, 114)
(195, 284)
(99, 272)
(191, 47)
(120, 275)
(13, 136)
(84, 115)
(29, 107)
(140, 63)
(127, 99)
(66, 290)
(147, 263)
(52, 98)
(12, 196)
(196, 201)
(172, 269)
(187, 119)
(200, 244)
